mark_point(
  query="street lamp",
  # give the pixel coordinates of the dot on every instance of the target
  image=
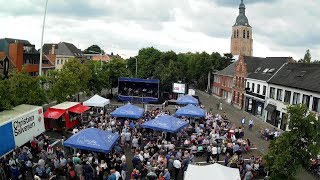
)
(41, 43)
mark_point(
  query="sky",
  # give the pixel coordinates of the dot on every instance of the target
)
(280, 27)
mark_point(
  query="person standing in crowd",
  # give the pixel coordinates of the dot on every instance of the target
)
(250, 124)
(177, 167)
(243, 121)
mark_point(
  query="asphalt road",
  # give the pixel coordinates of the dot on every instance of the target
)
(235, 115)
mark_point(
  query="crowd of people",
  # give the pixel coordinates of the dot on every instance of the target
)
(155, 155)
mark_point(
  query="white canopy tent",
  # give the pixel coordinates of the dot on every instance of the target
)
(209, 172)
(96, 101)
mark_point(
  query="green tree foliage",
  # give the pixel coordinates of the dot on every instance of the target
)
(25, 89)
(71, 79)
(293, 149)
(93, 49)
(169, 67)
(116, 68)
(100, 78)
(306, 58)
(5, 95)
(147, 59)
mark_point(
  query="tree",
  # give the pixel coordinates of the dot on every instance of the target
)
(306, 58)
(100, 78)
(81, 73)
(26, 89)
(147, 59)
(294, 148)
(5, 95)
(63, 85)
(116, 68)
(93, 49)
(71, 79)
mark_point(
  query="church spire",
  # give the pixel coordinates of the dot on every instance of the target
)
(242, 8)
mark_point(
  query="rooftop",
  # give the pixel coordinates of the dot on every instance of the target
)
(303, 76)
(7, 115)
(65, 105)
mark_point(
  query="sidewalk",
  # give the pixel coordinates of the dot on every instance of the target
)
(235, 115)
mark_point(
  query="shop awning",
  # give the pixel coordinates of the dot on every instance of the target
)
(54, 113)
(79, 109)
(270, 108)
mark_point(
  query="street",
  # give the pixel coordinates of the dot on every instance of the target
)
(235, 115)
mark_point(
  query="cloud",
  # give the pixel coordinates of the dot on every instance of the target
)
(233, 3)
(280, 27)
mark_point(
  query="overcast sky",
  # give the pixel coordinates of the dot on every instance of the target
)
(280, 27)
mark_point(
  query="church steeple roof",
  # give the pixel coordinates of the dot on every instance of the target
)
(242, 19)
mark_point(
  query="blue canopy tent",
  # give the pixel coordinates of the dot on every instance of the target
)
(128, 111)
(191, 111)
(93, 139)
(187, 99)
(165, 123)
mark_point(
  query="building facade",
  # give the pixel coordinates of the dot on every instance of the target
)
(241, 38)
(223, 83)
(239, 82)
(60, 53)
(295, 83)
(256, 83)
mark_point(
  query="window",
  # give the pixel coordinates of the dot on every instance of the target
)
(248, 85)
(216, 79)
(230, 84)
(272, 91)
(266, 70)
(248, 35)
(271, 70)
(279, 94)
(264, 90)
(306, 100)
(237, 33)
(61, 61)
(252, 89)
(287, 96)
(238, 98)
(234, 34)
(58, 61)
(302, 73)
(296, 98)
(258, 88)
(244, 33)
(257, 70)
(316, 104)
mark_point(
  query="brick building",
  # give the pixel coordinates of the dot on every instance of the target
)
(22, 55)
(223, 83)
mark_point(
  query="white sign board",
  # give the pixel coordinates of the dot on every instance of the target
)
(28, 126)
(179, 88)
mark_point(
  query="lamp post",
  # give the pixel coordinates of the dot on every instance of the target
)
(41, 43)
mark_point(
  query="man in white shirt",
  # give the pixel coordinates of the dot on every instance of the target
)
(177, 167)
(250, 124)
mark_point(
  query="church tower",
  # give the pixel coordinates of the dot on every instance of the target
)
(241, 39)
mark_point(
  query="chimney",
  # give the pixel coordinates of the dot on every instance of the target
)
(52, 49)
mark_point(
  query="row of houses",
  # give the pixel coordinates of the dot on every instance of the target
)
(17, 54)
(264, 87)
